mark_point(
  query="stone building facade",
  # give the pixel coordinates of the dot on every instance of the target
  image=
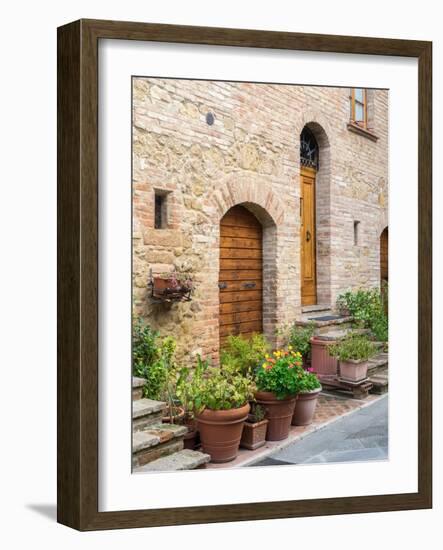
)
(201, 148)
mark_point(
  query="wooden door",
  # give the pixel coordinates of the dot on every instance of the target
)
(308, 237)
(241, 273)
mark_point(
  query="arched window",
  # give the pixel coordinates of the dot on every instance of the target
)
(308, 149)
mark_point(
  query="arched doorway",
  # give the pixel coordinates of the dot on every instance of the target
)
(308, 233)
(384, 266)
(241, 273)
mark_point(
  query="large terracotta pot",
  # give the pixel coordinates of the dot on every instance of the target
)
(279, 413)
(353, 371)
(305, 408)
(220, 432)
(321, 362)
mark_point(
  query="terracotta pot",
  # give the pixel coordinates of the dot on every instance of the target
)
(305, 408)
(161, 283)
(353, 371)
(220, 432)
(321, 362)
(178, 414)
(254, 434)
(279, 413)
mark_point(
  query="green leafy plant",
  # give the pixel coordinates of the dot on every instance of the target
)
(257, 413)
(354, 347)
(308, 382)
(300, 336)
(280, 374)
(244, 354)
(144, 348)
(153, 360)
(368, 308)
(215, 388)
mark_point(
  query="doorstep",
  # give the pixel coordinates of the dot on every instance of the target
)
(330, 408)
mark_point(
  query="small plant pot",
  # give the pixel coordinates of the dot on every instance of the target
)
(279, 413)
(178, 414)
(353, 371)
(305, 408)
(254, 434)
(220, 432)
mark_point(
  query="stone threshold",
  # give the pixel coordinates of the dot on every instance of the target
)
(248, 458)
(314, 308)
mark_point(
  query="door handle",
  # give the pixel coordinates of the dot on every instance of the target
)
(308, 235)
(222, 285)
(249, 285)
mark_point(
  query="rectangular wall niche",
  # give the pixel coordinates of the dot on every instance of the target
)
(160, 209)
(356, 232)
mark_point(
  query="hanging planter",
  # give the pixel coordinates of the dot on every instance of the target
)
(171, 287)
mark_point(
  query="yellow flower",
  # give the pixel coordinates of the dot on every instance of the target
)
(290, 348)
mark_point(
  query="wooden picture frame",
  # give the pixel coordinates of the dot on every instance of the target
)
(78, 274)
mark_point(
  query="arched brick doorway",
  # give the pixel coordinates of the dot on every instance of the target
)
(315, 215)
(241, 273)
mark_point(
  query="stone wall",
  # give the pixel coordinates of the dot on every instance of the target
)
(250, 156)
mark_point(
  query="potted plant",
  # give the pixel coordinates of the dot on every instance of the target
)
(308, 390)
(220, 399)
(300, 339)
(172, 286)
(244, 354)
(277, 385)
(353, 353)
(254, 428)
(184, 394)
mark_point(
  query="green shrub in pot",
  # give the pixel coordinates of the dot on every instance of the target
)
(353, 353)
(244, 354)
(354, 347)
(220, 397)
(277, 380)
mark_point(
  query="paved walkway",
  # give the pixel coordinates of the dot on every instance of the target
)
(330, 407)
(359, 436)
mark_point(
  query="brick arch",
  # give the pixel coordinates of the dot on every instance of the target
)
(254, 193)
(318, 124)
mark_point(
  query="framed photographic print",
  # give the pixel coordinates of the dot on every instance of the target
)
(244, 275)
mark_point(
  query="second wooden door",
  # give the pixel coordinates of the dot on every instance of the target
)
(308, 237)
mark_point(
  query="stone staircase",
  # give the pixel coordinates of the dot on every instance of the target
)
(324, 319)
(158, 446)
(378, 373)
(332, 326)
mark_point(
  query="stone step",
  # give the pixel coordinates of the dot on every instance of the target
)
(146, 412)
(137, 387)
(324, 323)
(316, 309)
(380, 384)
(155, 441)
(181, 460)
